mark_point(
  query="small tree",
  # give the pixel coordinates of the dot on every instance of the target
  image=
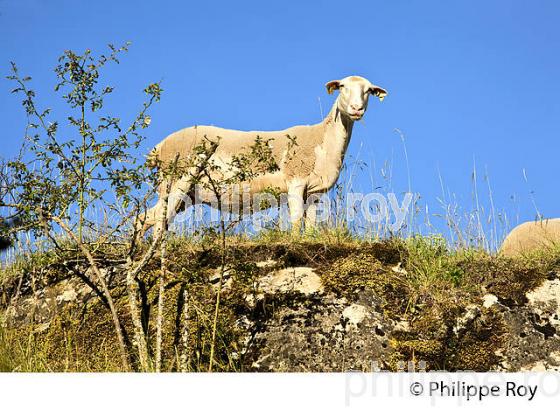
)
(55, 181)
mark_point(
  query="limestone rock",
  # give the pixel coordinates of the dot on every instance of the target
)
(489, 300)
(532, 341)
(321, 332)
(299, 279)
(355, 314)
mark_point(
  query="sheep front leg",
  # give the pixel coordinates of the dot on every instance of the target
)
(295, 204)
(310, 216)
(311, 211)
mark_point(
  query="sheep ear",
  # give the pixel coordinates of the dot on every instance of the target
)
(332, 86)
(378, 92)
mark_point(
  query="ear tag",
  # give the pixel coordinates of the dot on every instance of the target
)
(381, 97)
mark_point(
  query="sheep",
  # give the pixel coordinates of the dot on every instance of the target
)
(530, 236)
(308, 157)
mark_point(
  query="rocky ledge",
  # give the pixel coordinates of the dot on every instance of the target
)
(295, 320)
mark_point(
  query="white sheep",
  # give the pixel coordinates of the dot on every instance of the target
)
(308, 157)
(530, 236)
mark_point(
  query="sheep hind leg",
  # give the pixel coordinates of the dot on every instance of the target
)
(151, 218)
(146, 221)
(176, 201)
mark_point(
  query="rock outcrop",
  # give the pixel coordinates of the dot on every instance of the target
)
(296, 319)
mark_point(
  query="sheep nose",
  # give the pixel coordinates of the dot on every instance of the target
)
(356, 107)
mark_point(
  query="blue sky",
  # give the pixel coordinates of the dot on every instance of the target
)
(468, 81)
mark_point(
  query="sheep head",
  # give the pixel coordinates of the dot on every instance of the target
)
(354, 95)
